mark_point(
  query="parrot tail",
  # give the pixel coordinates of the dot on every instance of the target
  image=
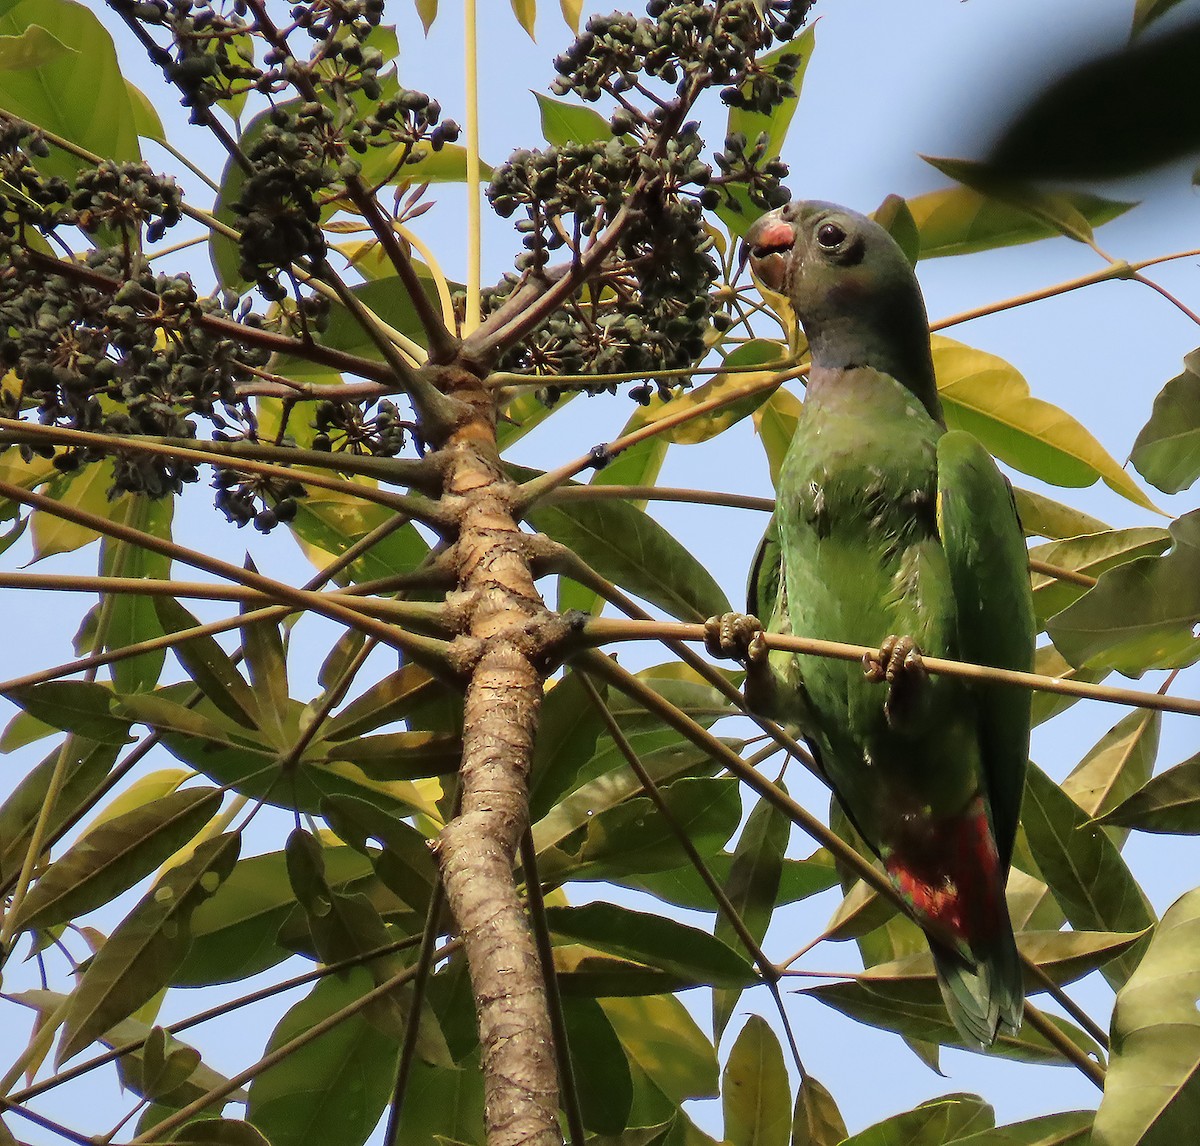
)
(983, 998)
(953, 880)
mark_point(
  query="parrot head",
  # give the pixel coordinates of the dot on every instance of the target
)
(851, 288)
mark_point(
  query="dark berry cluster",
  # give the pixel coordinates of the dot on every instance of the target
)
(343, 427)
(265, 501)
(207, 59)
(28, 198)
(749, 166)
(407, 118)
(123, 197)
(294, 160)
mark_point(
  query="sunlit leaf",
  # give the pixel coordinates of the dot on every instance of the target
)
(1152, 1093)
(427, 10)
(526, 14)
(1167, 803)
(571, 10)
(140, 956)
(564, 122)
(115, 856)
(934, 1123)
(756, 1097)
(959, 221)
(78, 93)
(33, 48)
(775, 420)
(1048, 661)
(335, 1087)
(985, 395)
(895, 216)
(1042, 516)
(1167, 449)
(1071, 1128)
(1083, 867)
(1140, 615)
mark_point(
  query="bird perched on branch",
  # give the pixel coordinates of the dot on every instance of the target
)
(892, 531)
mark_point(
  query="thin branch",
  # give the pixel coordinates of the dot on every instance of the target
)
(1041, 1023)
(568, 1086)
(474, 169)
(46, 1123)
(422, 509)
(603, 630)
(427, 651)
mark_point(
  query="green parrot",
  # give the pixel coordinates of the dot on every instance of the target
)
(892, 531)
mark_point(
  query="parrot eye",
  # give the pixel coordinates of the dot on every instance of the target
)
(830, 235)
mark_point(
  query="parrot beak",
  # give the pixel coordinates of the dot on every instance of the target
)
(767, 246)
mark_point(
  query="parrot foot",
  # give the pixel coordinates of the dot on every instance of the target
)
(737, 636)
(899, 663)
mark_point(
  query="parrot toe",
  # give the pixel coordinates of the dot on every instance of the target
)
(899, 663)
(737, 636)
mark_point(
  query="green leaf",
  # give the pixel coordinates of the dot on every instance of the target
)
(1048, 661)
(265, 658)
(816, 1120)
(132, 617)
(33, 48)
(218, 1132)
(74, 706)
(915, 1010)
(209, 665)
(444, 1106)
(1167, 449)
(988, 397)
(630, 549)
(78, 93)
(116, 855)
(895, 217)
(1140, 615)
(775, 421)
(564, 122)
(334, 1088)
(234, 932)
(651, 940)
(140, 956)
(752, 123)
(752, 887)
(1168, 803)
(571, 10)
(602, 1076)
(960, 221)
(1117, 766)
(1055, 209)
(1071, 1128)
(568, 729)
(663, 1040)
(1044, 517)
(1092, 554)
(396, 696)
(1152, 1093)
(401, 755)
(934, 1123)
(405, 863)
(86, 765)
(756, 1097)
(1083, 867)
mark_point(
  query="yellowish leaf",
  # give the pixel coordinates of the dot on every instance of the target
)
(526, 14)
(571, 10)
(427, 10)
(987, 396)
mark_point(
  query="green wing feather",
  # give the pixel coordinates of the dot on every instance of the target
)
(989, 576)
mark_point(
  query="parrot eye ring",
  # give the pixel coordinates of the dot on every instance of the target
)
(830, 236)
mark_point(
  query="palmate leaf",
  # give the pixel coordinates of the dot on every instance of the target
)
(985, 395)
(334, 1088)
(1083, 868)
(914, 1010)
(755, 1093)
(1152, 1093)
(651, 940)
(139, 958)
(116, 855)
(1169, 802)
(1140, 615)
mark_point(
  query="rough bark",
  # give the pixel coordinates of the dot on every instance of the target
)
(506, 629)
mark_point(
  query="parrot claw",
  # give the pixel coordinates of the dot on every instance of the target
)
(899, 663)
(737, 636)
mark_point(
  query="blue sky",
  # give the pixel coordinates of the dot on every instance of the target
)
(888, 81)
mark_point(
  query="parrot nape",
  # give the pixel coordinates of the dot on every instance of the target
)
(893, 532)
